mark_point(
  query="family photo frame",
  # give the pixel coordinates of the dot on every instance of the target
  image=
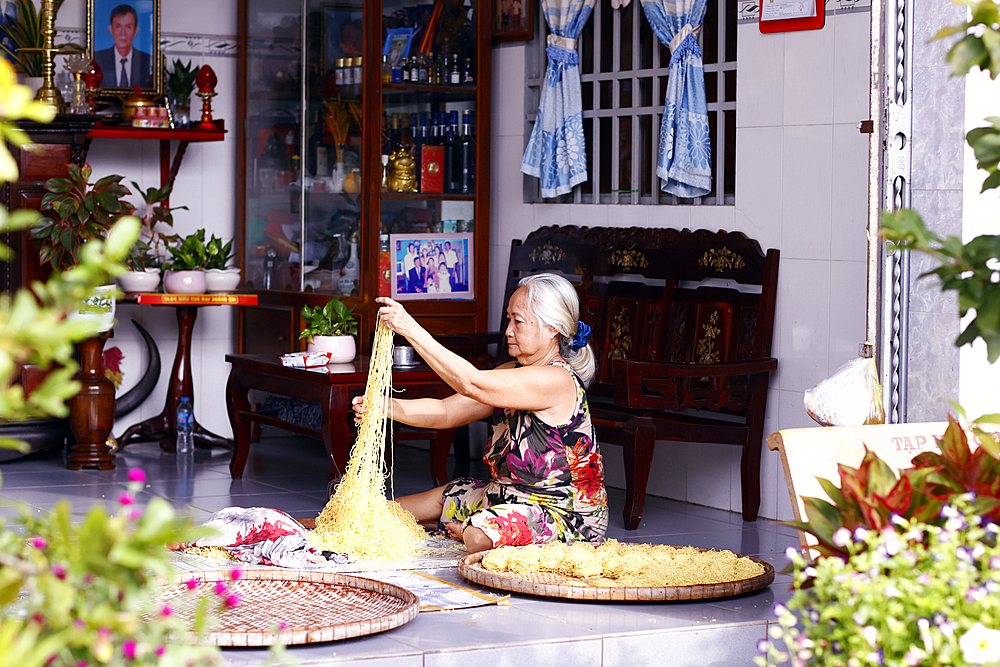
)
(432, 266)
(123, 38)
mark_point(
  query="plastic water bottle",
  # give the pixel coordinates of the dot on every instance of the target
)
(185, 427)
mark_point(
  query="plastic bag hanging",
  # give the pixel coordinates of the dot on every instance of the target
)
(850, 397)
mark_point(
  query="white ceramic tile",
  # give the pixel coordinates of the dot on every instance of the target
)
(668, 477)
(760, 77)
(214, 17)
(804, 292)
(806, 192)
(544, 215)
(848, 238)
(713, 218)
(508, 98)
(784, 510)
(758, 184)
(506, 188)
(808, 69)
(588, 215)
(709, 473)
(848, 282)
(852, 55)
(769, 483)
(672, 217)
(627, 215)
(614, 466)
(216, 322)
(792, 411)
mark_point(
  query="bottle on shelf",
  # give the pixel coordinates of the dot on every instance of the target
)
(470, 75)
(404, 66)
(338, 72)
(424, 72)
(454, 76)
(356, 75)
(395, 140)
(405, 132)
(386, 70)
(419, 126)
(414, 65)
(185, 428)
(468, 153)
(452, 157)
(351, 272)
(386, 150)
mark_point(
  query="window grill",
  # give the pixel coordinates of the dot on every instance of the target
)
(623, 74)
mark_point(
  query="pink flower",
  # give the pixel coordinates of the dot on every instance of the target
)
(59, 571)
(38, 542)
(82, 663)
(126, 499)
(135, 515)
(167, 610)
(161, 649)
(235, 574)
(52, 658)
(136, 475)
(88, 578)
(232, 601)
(79, 624)
(221, 588)
(128, 649)
(192, 584)
(38, 618)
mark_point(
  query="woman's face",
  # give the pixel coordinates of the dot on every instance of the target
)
(527, 339)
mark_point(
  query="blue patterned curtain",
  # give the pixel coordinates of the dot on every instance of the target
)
(556, 152)
(685, 158)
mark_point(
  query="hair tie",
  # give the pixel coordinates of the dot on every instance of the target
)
(581, 337)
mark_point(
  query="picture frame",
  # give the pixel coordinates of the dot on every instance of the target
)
(343, 32)
(145, 59)
(424, 248)
(397, 45)
(513, 20)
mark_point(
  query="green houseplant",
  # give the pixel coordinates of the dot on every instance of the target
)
(180, 84)
(220, 278)
(76, 211)
(331, 328)
(186, 268)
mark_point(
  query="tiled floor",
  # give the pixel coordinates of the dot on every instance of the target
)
(289, 473)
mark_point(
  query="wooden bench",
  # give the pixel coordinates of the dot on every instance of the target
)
(682, 324)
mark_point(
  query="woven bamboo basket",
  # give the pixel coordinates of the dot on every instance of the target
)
(309, 606)
(549, 584)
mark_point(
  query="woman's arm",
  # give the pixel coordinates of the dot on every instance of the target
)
(453, 411)
(537, 388)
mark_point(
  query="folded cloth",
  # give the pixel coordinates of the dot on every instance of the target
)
(265, 536)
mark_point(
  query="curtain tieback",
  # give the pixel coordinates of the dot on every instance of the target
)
(684, 42)
(562, 49)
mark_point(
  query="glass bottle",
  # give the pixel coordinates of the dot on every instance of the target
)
(415, 69)
(455, 77)
(470, 75)
(424, 72)
(467, 152)
(338, 72)
(386, 70)
(452, 160)
(357, 73)
(405, 67)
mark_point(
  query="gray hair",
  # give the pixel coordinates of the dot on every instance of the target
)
(553, 300)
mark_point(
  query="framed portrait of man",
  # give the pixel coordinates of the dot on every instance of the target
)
(123, 38)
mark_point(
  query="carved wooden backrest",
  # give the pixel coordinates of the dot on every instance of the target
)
(653, 294)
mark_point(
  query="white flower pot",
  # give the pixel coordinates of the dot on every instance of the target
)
(140, 282)
(222, 281)
(184, 282)
(341, 348)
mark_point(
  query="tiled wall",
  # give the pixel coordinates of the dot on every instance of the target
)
(801, 187)
(206, 184)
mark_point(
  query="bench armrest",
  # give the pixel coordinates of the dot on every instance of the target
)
(656, 384)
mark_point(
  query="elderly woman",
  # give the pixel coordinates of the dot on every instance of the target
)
(546, 473)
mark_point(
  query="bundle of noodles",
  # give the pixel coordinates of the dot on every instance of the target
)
(358, 520)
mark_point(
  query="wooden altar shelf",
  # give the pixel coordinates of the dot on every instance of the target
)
(197, 299)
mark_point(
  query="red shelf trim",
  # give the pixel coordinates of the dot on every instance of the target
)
(197, 299)
(128, 132)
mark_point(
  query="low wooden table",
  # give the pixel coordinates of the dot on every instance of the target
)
(332, 387)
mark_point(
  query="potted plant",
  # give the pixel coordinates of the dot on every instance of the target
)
(331, 328)
(143, 275)
(23, 28)
(180, 84)
(185, 273)
(220, 278)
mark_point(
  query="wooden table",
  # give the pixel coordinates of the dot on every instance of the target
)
(332, 387)
(164, 425)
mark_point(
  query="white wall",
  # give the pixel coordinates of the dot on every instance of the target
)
(801, 187)
(206, 184)
(978, 379)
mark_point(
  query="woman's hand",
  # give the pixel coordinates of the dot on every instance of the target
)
(394, 316)
(360, 409)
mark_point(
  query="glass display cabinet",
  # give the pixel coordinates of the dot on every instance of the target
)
(363, 162)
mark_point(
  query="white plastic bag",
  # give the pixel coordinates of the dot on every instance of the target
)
(850, 397)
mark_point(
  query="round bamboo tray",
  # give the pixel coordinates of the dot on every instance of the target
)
(311, 606)
(549, 584)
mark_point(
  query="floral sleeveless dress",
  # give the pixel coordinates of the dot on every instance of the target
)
(547, 482)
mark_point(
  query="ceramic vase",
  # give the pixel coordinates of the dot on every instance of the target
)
(99, 307)
(341, 348)
(352, 273)
(140, 282)
(184, 282)
(222, 281)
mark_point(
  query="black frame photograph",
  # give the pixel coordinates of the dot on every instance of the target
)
(513, 20)
(114, 25)
(343, 32)
(407, 285)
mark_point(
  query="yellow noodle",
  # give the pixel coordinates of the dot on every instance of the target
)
(618, 564)
(358, 519)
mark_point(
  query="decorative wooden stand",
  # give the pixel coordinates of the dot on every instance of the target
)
(92, 411)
